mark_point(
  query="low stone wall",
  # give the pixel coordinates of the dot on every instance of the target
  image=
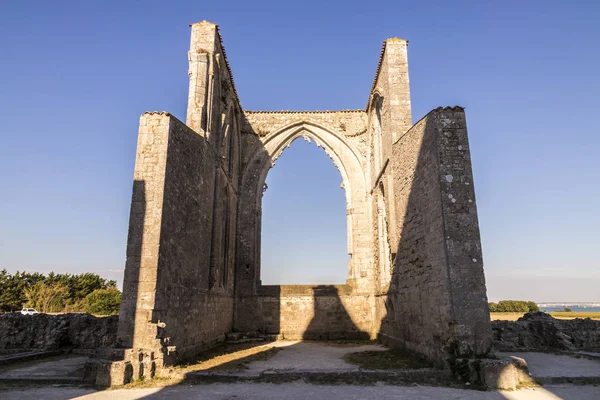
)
(310, 312)
(63, 331)
(541, 332)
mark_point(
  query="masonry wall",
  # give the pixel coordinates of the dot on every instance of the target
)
(169, 303)
(196, 308)
(436, 303)
(309, 312)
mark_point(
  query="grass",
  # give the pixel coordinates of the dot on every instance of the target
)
(574, 314)
(387, 360)
(556, 314)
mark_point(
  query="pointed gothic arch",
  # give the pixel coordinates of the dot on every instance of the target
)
(346, 158)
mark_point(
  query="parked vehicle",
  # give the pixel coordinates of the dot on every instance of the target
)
(29, 311)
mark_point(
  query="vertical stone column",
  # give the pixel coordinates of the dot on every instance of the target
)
(397, 94)
(201, 72)
(141, 268)
(391, 117)
(470, 310)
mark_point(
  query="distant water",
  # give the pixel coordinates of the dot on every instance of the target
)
(573, 308)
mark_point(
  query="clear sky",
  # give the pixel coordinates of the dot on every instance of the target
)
(75, 76)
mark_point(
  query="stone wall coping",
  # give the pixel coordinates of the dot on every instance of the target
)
(435, 110)
(304, 112)
(307, 290)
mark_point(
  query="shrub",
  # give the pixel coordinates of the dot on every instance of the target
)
(513, 306)
(103, 301)
(47, 298)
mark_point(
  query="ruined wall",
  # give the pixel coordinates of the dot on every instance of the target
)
(296, 310)
(52, 332)
(541, 332)
(389, 117)
(168, 298)
(436, 303)
(178, 286)
(265, 135)
(196, 308)
(415, 276)
(310, 312)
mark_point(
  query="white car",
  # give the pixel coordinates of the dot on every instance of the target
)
(29, 311)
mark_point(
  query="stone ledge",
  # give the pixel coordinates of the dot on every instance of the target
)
(433, 376)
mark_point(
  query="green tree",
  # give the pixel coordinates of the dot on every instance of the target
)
(47, 297)
(514, 306)
(20, 288)
(103, 301)
(82, 285)
(12, 288)
(493, 307)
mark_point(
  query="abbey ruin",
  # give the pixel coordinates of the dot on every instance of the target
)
(415, 274)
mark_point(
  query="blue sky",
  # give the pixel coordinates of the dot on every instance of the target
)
(75, 76)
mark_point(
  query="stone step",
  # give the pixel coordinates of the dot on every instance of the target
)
(417, 376)
(27, 356)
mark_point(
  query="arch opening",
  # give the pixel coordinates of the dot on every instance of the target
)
(348, 161)
(304, 231)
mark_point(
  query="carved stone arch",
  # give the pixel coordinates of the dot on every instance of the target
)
(334, 145)
(349, 162)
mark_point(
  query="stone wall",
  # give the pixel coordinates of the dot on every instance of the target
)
(179, 274)
(168, 295)
(436, 301)
(265, 135)
(54, 332)
(308, 312)
(193, 299)
(541, 332)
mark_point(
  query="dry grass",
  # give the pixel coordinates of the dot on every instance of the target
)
(506, 316)
(386, 360)
(558, 314)
(572, 314)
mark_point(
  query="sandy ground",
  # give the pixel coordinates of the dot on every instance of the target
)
(309, 356)
(543, 365)
(293, 391)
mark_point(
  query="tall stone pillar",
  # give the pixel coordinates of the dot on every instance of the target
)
(201, 72)
(398, 88)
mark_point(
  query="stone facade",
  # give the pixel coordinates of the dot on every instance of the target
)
(415, 273)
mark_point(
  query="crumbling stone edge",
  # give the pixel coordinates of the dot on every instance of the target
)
(499, 373)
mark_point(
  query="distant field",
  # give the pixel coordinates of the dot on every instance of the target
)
(558, 314)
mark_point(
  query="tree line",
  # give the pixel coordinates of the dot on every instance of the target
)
(514, 306)
(58, 293)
